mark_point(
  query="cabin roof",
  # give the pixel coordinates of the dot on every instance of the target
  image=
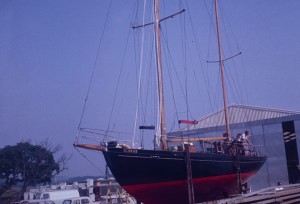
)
(239, 114)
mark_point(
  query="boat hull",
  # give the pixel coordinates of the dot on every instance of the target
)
(161, 176)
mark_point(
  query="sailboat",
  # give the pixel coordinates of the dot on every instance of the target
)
(181, 174)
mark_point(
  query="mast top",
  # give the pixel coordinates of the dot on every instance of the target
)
(222, 71)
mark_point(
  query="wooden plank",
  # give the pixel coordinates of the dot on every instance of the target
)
(276, 194)
(92, 147)
(292, 201)
(288, 194)
(197, 139)
(267, 201)
(282, 198)
(257, 198)
(288, 191)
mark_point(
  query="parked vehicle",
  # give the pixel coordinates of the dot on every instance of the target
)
(78, 200)
(59, 196)
(37, 202)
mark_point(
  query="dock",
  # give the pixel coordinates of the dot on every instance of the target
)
(286, 194)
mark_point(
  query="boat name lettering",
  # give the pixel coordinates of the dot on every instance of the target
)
(131, 150)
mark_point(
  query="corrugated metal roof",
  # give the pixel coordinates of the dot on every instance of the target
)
(239, 114)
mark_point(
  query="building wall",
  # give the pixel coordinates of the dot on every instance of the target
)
(274, 144)
(269, 140)
(297, 130)
(261, 179)
(269, 133)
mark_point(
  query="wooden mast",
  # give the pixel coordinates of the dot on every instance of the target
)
(222, 71)
(159, 76)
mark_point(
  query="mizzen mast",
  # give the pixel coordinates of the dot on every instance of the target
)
(222, 71)
(159, 76)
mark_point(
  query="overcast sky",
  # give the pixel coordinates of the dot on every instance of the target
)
(48, 49)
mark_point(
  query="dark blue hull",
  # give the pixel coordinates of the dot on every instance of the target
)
(163, 174)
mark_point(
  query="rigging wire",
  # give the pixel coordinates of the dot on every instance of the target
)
(211, 27)
(139, 79)
(244, 78)
(235, 80)
(242, 100)
(172, 87)
(119, 77)
(235, 83)
(232, 33)
(230, 79)
(89, 161)
(186, 48)
(206, 78)
(143, 102)
(184, 53)
(92, 75)
(136, 36)
(215, 95)
(234, 90)
(118, 83)
(239, 95)
(174, 67)
(167, 59)
(148, 89)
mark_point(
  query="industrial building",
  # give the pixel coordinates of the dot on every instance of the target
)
(275, 132)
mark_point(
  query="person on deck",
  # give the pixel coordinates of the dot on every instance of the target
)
(242, 140)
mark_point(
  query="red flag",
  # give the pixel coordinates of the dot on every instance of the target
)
(188, 122)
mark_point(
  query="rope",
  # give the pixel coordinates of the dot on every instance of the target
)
(92, 76)
(118, 83)
(89, 161)
(184, 53)
(177, 75)
(206, 79)
(140, 73)
(172, 88)
(175, 122)
(236, 83)
(148, 90)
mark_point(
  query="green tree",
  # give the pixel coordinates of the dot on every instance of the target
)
(30, 164)
(9, 170)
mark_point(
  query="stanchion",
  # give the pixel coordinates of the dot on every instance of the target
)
(189, 175)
